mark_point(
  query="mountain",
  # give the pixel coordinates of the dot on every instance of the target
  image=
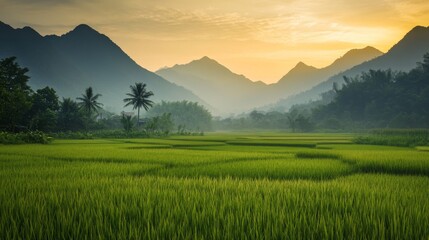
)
(230, 92)
(226, 91)
(81, 58)
(403, 56)
(303, 77)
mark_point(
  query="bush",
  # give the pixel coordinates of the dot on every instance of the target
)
(115, 133)
(24, 137)
(72, 135)
(159, 125)
(395, 137)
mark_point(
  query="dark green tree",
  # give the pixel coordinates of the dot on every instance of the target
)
(14, 95)
(89, 102)
(127, 123)
(292, 117)
(44, 110)
(304, 124)
(160, 125)
(138, 98)
(188, 115)
(69, 116)
(425, 63)
(380, 99)
(166, 124)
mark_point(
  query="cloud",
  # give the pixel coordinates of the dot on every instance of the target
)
(271, 30)
(39, 3)
(203, 25)
(290, 22)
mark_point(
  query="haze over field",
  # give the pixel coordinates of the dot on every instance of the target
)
(262, 40)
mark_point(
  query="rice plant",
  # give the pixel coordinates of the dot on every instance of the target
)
(203, 187)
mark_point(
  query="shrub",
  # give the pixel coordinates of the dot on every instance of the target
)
(24, 137)
(395, 137)
(73, 135)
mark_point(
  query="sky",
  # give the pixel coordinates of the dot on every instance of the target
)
(262, 40)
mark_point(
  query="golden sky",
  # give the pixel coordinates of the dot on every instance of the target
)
(261, 39)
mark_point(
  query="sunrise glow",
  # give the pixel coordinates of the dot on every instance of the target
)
(260, 40)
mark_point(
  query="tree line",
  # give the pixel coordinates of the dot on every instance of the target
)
(187, 116)
(380, 99)
(22, 109)
(294, 120)
(374, 99)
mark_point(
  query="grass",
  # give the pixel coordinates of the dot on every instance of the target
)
(208, 187)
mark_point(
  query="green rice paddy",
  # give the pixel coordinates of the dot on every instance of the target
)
(218, 186)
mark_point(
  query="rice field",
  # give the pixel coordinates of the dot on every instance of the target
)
(218, 186)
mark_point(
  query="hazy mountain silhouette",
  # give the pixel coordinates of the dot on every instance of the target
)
(81, 58)
(403, 56)
(230, 92)
(303, 77)
(221, 88)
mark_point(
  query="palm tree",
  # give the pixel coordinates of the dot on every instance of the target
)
(69, 116)
(139, 97)
(88, 102)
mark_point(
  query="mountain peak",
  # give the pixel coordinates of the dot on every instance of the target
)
(207, 60)
(370, 48)
(303, 73)
(367, 49)
(417, 32)
(85, 33)
(26, 31)
(354, 57)
(414, 43)
(84, 28)
(80, 58)
(299, 72)
(207, 63)
(419, 28)
(30, 30)
(301, 66)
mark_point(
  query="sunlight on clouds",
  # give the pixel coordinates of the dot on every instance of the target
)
(261, 39)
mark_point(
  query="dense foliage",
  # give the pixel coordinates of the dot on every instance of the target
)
(69, 116)
(375, 99)
(185, 115)
(296, 120)
(26, 113)
(24, 137)
(15, 95)
(159, 125)
(379, 99)
(44, 110)
(395, 137)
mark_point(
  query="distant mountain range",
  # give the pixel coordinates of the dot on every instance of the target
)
(403, 56)
(303, 77)
(224, 90)
(82, 58)
(230, 92)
